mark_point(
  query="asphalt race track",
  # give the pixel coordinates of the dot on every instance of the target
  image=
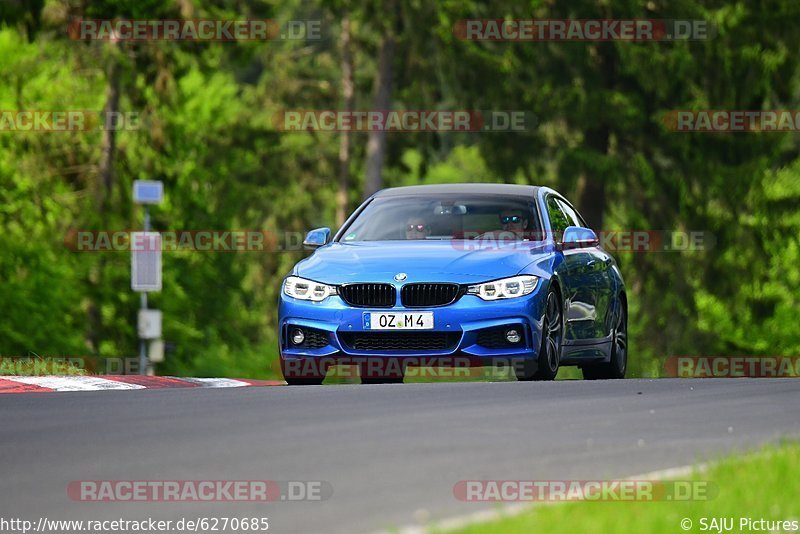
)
(391, 453)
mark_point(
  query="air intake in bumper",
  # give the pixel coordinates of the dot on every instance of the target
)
(399, 341)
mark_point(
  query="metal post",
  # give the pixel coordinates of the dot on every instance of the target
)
(143, 305)
(146, 274)
(142, 342)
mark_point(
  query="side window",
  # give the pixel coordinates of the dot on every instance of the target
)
(572, 215)
(558, 220)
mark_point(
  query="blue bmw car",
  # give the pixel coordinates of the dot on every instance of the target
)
(455, 275)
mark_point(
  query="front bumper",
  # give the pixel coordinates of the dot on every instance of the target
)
(468, 324)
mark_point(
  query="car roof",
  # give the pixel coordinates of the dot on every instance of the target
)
(435, 189)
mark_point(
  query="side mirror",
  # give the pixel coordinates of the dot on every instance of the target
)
(577, 237)
(317, 237)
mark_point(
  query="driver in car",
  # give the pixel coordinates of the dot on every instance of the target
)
(515, 222)
(417, 228)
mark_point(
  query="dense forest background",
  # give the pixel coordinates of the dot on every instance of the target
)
(207, 132)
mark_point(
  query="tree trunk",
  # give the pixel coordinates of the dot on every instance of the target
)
(591, 185)
(104, 194)
(376, 143)
(348, 95)
(109, 143)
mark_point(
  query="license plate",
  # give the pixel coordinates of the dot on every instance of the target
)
(398, 321)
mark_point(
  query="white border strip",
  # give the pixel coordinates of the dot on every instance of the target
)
(485, 516)
(215, 382)
(73, 383)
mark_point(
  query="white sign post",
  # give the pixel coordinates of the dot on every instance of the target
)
(146, 266)
(148, 192)
(146, 261)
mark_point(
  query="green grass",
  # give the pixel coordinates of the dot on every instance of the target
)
(763, 484)
(40, 366)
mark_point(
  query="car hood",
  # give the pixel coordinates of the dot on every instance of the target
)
(457, 261)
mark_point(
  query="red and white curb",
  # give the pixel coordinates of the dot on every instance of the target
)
(35, 384)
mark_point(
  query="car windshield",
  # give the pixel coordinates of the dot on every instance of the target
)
(445, 217)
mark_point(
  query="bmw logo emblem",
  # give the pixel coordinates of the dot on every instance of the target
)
(400, 277)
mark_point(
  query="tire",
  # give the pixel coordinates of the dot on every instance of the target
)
(615, 368)
(383, 380)
(295, 378)
(525, 369)
(372, 378)
(304, 381)
(546, 365)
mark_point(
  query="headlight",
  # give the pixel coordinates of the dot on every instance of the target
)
(303, 289)
(507, 288)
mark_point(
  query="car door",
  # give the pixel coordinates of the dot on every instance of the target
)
(598, 267)
(577, 279)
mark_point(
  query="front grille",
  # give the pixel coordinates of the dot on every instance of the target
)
(425, 295)
(495, 338)
(399, 341)
(314, 338)
(368, 295)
